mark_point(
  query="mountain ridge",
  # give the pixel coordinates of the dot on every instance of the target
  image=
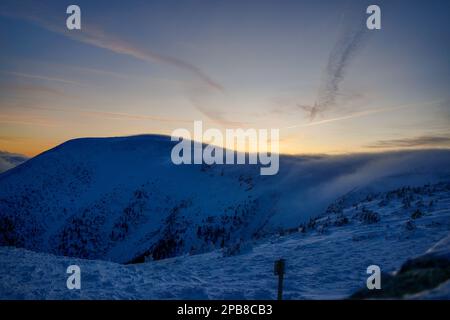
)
(122, 198)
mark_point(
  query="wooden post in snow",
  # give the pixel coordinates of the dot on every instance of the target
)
(279, 271)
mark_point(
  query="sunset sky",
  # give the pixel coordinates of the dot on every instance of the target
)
(311, 69)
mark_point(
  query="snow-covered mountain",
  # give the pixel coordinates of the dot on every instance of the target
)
(122, 199)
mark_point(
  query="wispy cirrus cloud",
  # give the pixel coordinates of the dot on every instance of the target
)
(221, 118)
(105, 114)
(350, 116)
(39, 14)
(40, 77)
(367, 112)
(30, 88)
(29, 120)
(429, 141)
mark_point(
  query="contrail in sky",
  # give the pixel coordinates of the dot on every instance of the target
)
(349, 43)
(365, 113)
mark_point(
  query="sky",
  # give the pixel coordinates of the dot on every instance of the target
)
(309, 68)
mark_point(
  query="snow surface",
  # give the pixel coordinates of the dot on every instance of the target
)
(326, 260)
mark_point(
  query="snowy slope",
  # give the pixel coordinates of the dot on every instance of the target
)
(122, 199)
(327, 258)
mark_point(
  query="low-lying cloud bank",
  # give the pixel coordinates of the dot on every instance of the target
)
(10, 160)
(310, 184)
